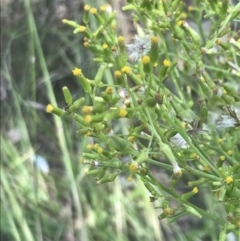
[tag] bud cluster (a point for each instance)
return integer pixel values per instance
(162, 122)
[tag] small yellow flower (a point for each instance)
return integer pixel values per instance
(104, 46)
(88, 119)
(109, 90)
(190, 8)
(194, 155)
(122, 113)
(202, 79)
(166, 63)
(180, 23)
(126, 70)
(222, 158)
(49, 108)
(218, 41)
(93, 10)
(133, 167)
(82, 28)
(131, 138)
(146, 59)
(103, 8)
(183, 124)
(229, 179)
(118, 74)
(87, 109)
(86, 44)
(100, 150)
(195, 190)
(154, 39)
(121, 40)
(183, 15)
(230, 152)
(168, 211)
(238, 40)
(86, 7)
(220, 141)
(77, 71)
(89, 146)
(206, 169)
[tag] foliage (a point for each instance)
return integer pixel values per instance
(149, 123)
(166, 87)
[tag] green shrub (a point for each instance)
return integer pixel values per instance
(168, 99)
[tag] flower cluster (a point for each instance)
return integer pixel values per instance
(144, 117)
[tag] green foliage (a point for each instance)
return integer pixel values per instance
(173, 78)
(141, 126)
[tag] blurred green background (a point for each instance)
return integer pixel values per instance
(45, 195)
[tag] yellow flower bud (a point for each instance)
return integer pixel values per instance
(77, 71)
(89, 146)
(86, 7)
(145, 59)
(88, 119)
(220, 141)
(131, 138)
(166, 63)
(109, 90)
(82, 28)
(222, 158)
(49, 108)
(133, 167)
(104, 46)
(87, 109)
(229, 179)
(93, 10)
(195, 190)
(122, 113)
(168, 211)
(118, 74)
(154, 40)
(100, 150)
(126, 70)
(121, 40)
(146, 64)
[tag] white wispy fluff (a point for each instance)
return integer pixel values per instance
(140, 47)
(125, 98)
(230, 118)
(226, 121)
(179, 141)
(110, 133)
(41, 163)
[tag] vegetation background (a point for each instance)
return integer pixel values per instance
(45, 194)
